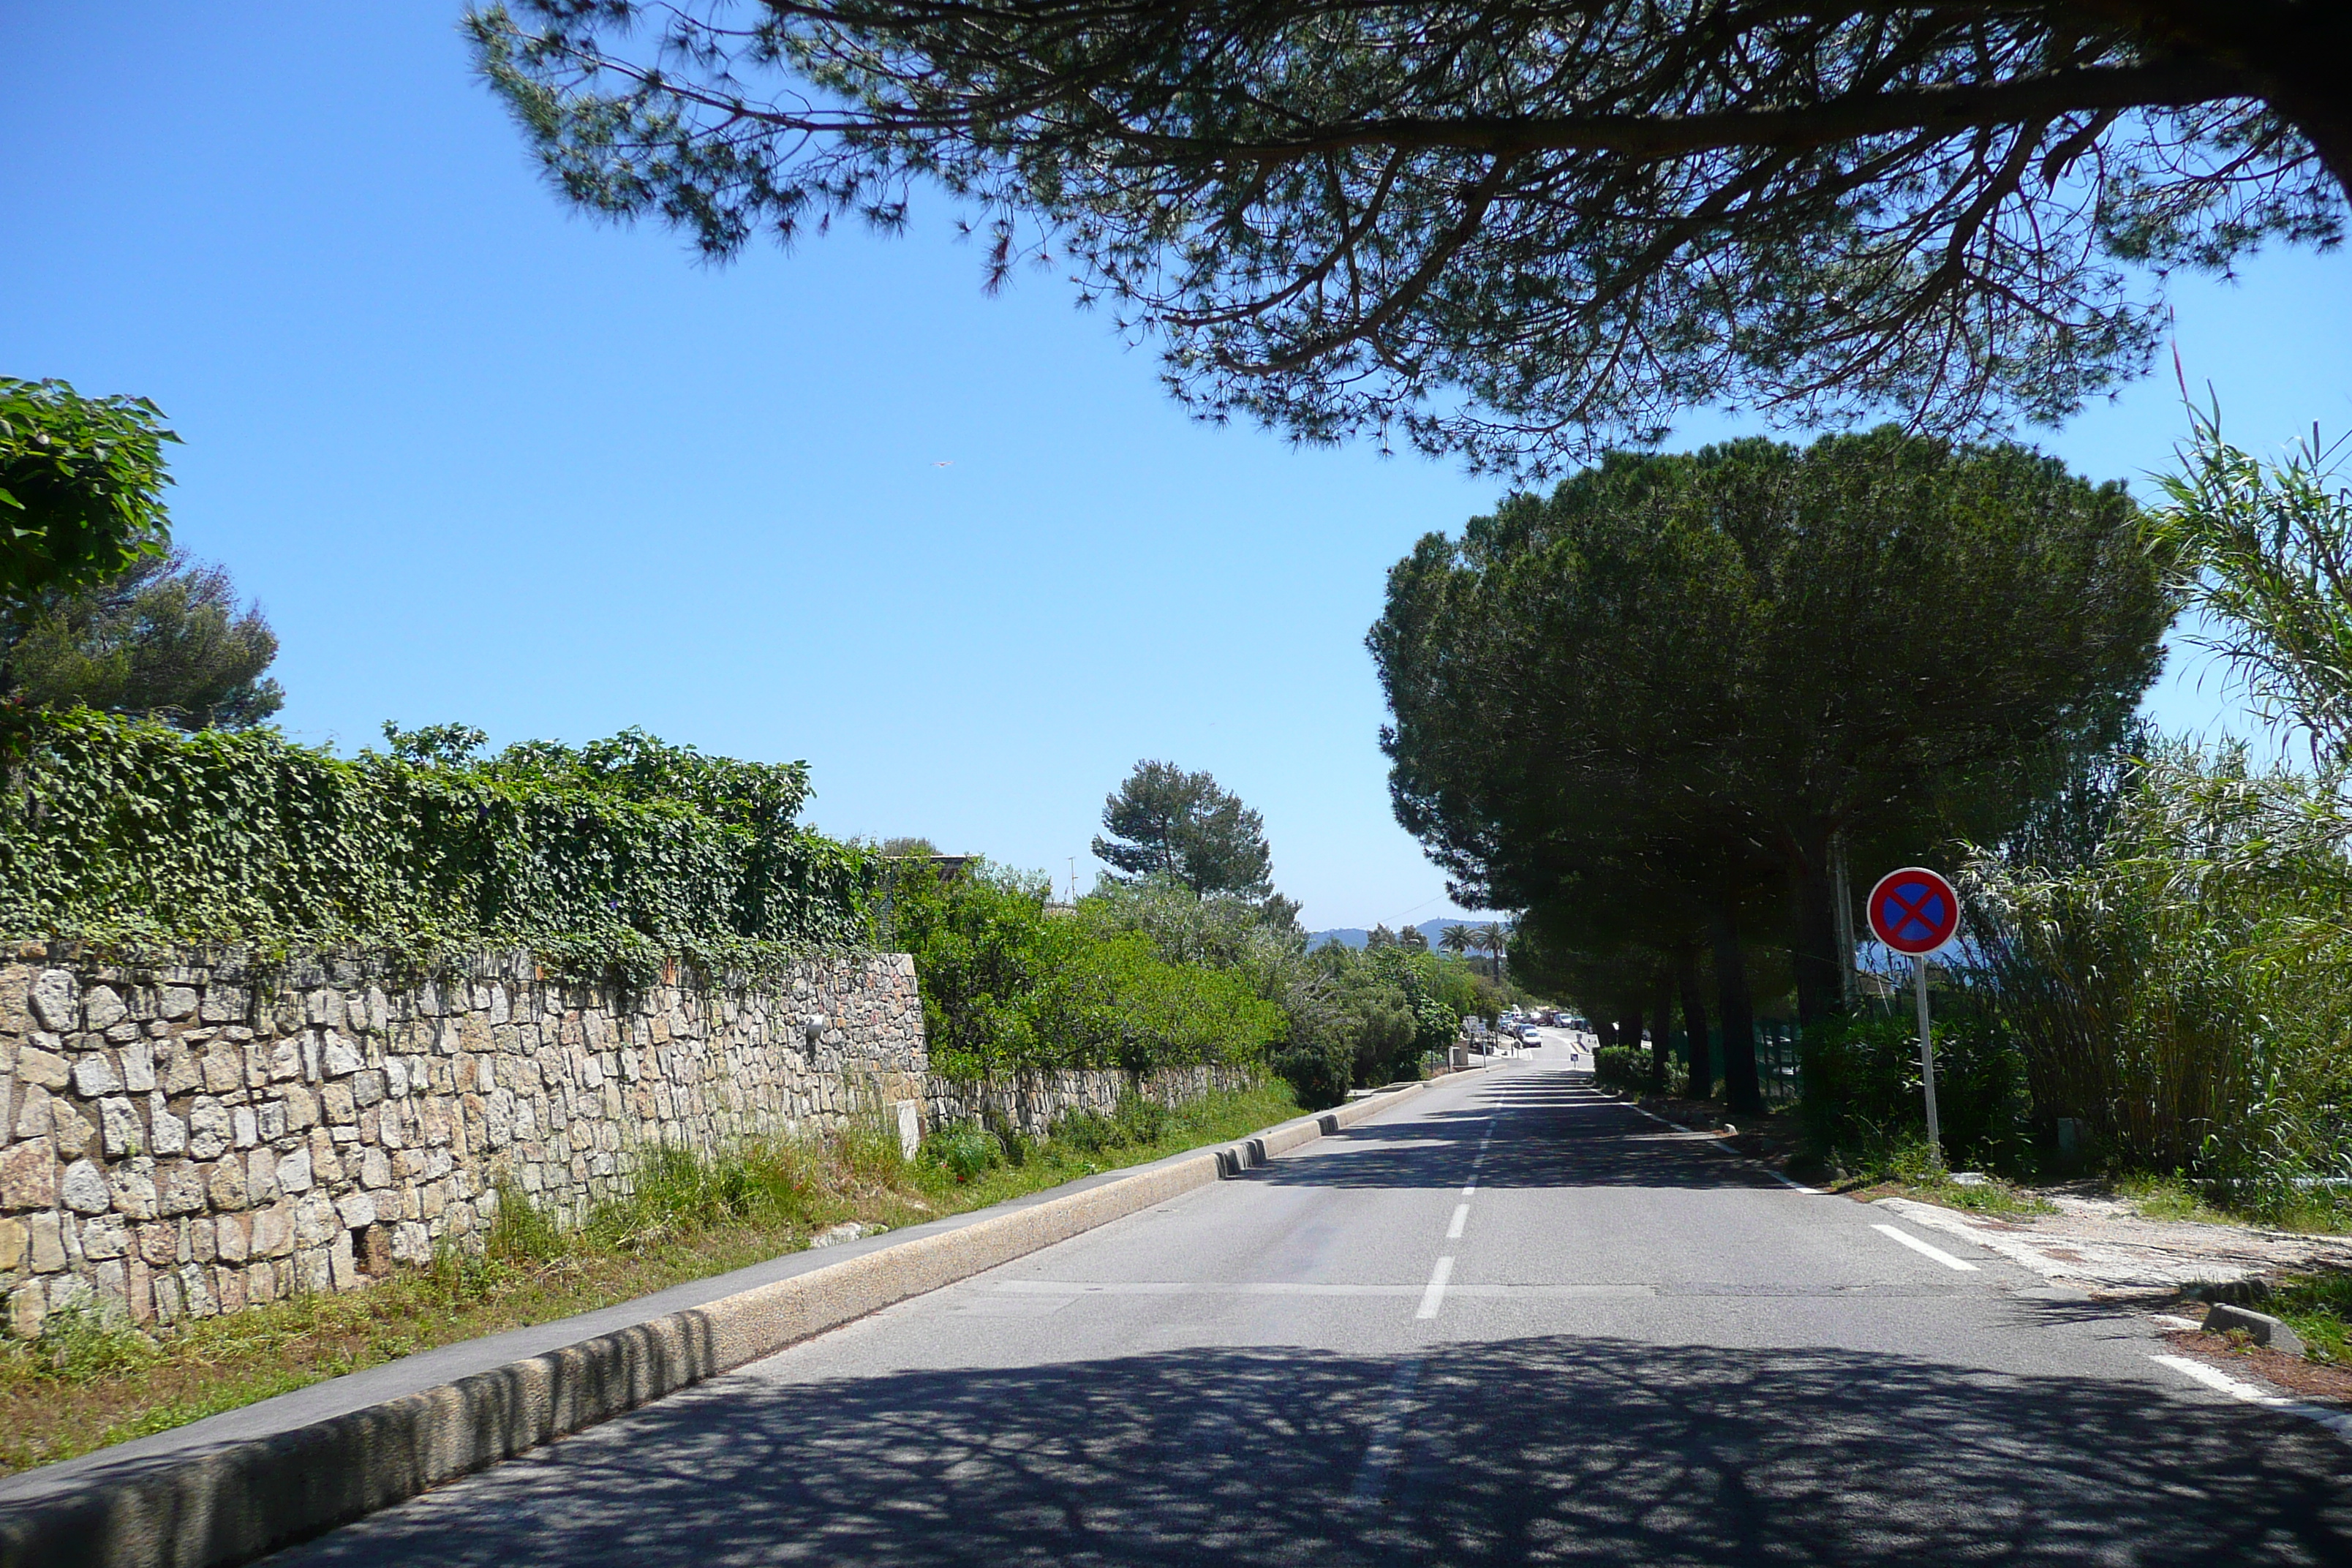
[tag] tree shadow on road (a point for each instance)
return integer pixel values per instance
(1552, 1132)
(1548, 1451)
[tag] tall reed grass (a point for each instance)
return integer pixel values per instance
(2179, 977)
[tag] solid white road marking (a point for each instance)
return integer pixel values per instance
(1388, 1431)
(2214, 1377)
(1921, 1248)
(1461, 1219)
(1432, 1297)
(1788, 1181)
(2336, 1421)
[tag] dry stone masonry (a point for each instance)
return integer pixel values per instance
(182, 1140)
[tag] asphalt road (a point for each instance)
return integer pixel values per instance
(1509, 1321)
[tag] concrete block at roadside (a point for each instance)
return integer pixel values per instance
(2260, 1327)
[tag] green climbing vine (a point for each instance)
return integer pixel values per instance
(609, 860)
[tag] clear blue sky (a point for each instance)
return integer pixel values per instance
(484, 460)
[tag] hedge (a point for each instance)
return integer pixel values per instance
(608, 859)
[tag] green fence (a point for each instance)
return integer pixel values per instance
(1779, 1065)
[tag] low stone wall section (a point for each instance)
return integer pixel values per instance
(1032, 1102)
(183, 1139)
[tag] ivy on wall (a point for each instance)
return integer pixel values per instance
(608, 859)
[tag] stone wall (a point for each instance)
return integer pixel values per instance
(1034, 1101)
(183, 1139)
(188, 1139)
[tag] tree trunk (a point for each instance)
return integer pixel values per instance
(1604, 1034)
(1702, 1066)
(1629, 1029)
(1662, 1026)
(1741, 1090)
(1815, 957)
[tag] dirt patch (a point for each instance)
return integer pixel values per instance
(2106, 1246)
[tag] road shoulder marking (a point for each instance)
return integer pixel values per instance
(1924, 1249)
(2337, 1421)
(1786, 1179)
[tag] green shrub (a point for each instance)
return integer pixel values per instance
(1865, 1104)
(1009, 986)
(1623, 1068)
(82, 1344)
(963, 1151)
(1133, 1121)
(1320, 1068)
(608, 859)
(2175, 971)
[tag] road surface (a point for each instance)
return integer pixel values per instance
(1509, 1321)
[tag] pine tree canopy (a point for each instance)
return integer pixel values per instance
(1184, 827)
(1518, 232)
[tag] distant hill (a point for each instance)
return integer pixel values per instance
(1354, 936)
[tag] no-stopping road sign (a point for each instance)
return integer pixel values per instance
(1915, 911)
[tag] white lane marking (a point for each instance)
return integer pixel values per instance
(1921, 1248)
(1388, 1434)
(2213, 1377)
(1461, 1219)
(1470, 1189)
(2336, 1421)
(1788, 1181)
(1435, 1296)
(2169, 1320)
(1068, 1291)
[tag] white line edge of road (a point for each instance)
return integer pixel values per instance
(1924, 1250)
(2337, 1421)
(1785, 1180)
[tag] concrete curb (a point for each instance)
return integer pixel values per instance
(233, 1501)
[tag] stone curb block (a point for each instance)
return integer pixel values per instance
(235, 1503)
(2260, 1327)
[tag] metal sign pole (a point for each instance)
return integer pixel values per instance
(1927, 1064)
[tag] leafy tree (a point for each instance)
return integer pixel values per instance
(1520, 230)
(164, 639)
(81, 487)
(1008, 986)
(1166, 822)
(1676, 678)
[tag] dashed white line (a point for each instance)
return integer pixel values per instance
(1387, 1445)
(1461, 1219)
(1921, 1248)
(1435, 1297)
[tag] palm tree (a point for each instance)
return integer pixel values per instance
(1454, 939)
(1488, 939)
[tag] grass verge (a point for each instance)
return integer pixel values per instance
(2318, 1308)
(86, 1385)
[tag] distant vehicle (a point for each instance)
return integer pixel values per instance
(1530, 1034)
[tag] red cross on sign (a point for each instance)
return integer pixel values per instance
(1915, 911)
